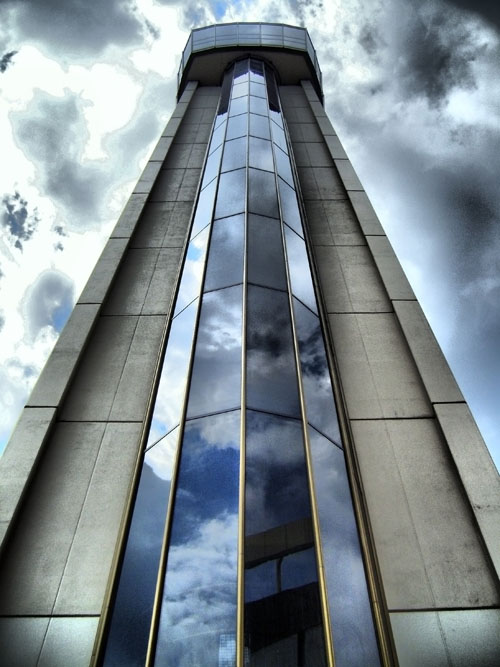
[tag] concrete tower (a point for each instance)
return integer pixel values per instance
(247, 447)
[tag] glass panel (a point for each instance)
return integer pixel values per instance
(249, 34)
(192, 272)
(273, 34)
(352, 623)
(235, 154)
(259, 126)
(272, 90)
(260, 154)
(320, 405)
(129, 628)
(294, 37)
(300, 272)
(262, 193)
(237, 126)
(271, 376)
(217, 137)
(279, 137)
(240, 105)
(225, 260)
(257, 89)
(266, 262)
(290, 207)
(212, 166)
(241, 71)
(204, 38)
(256, 71)
(258, 105)
(198, 614)
(226, 35)
(283, 166)
(224, 96)
(204, 208)
(231, 195)
(216, 379)
(282, 607)
(240, 89)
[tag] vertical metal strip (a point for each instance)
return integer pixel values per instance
(325, 613)
(240, 612)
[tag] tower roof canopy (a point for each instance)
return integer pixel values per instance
(289, 49)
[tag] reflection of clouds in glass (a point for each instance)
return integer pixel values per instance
(192, 271)
(276, 487)
(204, 208)
(216, 378)
(161, 457)
(316, 381)
(199, 602)
(225, 259)
(352, 622)
(300, 272)
(170, 396)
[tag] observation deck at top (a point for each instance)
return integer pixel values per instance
(210, 50)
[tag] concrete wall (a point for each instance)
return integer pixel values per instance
(67, 470)
(431, 490)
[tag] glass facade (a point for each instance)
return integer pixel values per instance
(243, 546)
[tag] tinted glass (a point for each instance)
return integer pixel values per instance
(231, 194)
(258, 105)
(352, 623)
(216, 378)
(225, 259)
(290, 207)
(237, 126)
(262, 197)
(271, 375)
(235, 154)
(239, 89)
(260, 154)
(266, 262)
(300, 272)
(217, 137)
(204, 208)
(316, 381)
(279, 137)
(256, 70)
(259, 126)
(241, 71)
(257, 89)
(199, 600)
(283, 166)
(192, 272)
(212, 166)
(129, 629)
(240, 105)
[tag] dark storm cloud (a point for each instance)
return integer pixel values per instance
(6, 60)
(75, 27)
(48, 302)
(16, 219)
(51, 133)
(369, 39)
(487, 9)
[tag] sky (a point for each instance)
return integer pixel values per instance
(411, 86)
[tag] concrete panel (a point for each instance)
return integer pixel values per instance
(21, 640)
(189, 185)
(36, 555)
(317, 107)
(350, 281)
(476, 470)
(335, 148)
(130, 215)
(100, 280)
(178, 156)
(348, 175)
(419, 639)
(456, 566)
(180, 109)
(150, 231)
(148, 177)
(54, 380)
(304, 132)
(178, 226)
(69, 641)
(193, 133)
(299, 115)
(366, 215)
(84, 581)
(161, 149)
(320, 183)
(393, 276)
(377, 371)
(162, 285)
(325, 126)
(132, 282)
(197, 157)
(93, 389)
(167, 185)
(20, 459)
(319, 155)
(136, 379)
(172, 127)
(434, 370)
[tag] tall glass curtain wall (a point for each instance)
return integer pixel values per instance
(230, 388)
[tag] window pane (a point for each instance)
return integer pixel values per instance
(283, 166)
(350, 612)
(320, 405)
(231, 195)
(256, 71)
(226, 35)
(217, 137)
(225, 260)
(271, 376)
(258, 105)
(216, 378)
(241, 71)
(192, 272)
(240, 105)
(249, 34)
(259, 126)
(262, 193)
(237, 126)
(260, 154)
(257, 89)
(240, 89)
(235, 154)
(204, 208)
(212, 166)
(127, 640)
(199, 600)
(266, 262)
(204, 38)
(290, 207)
(279, 137)
(300, 272)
